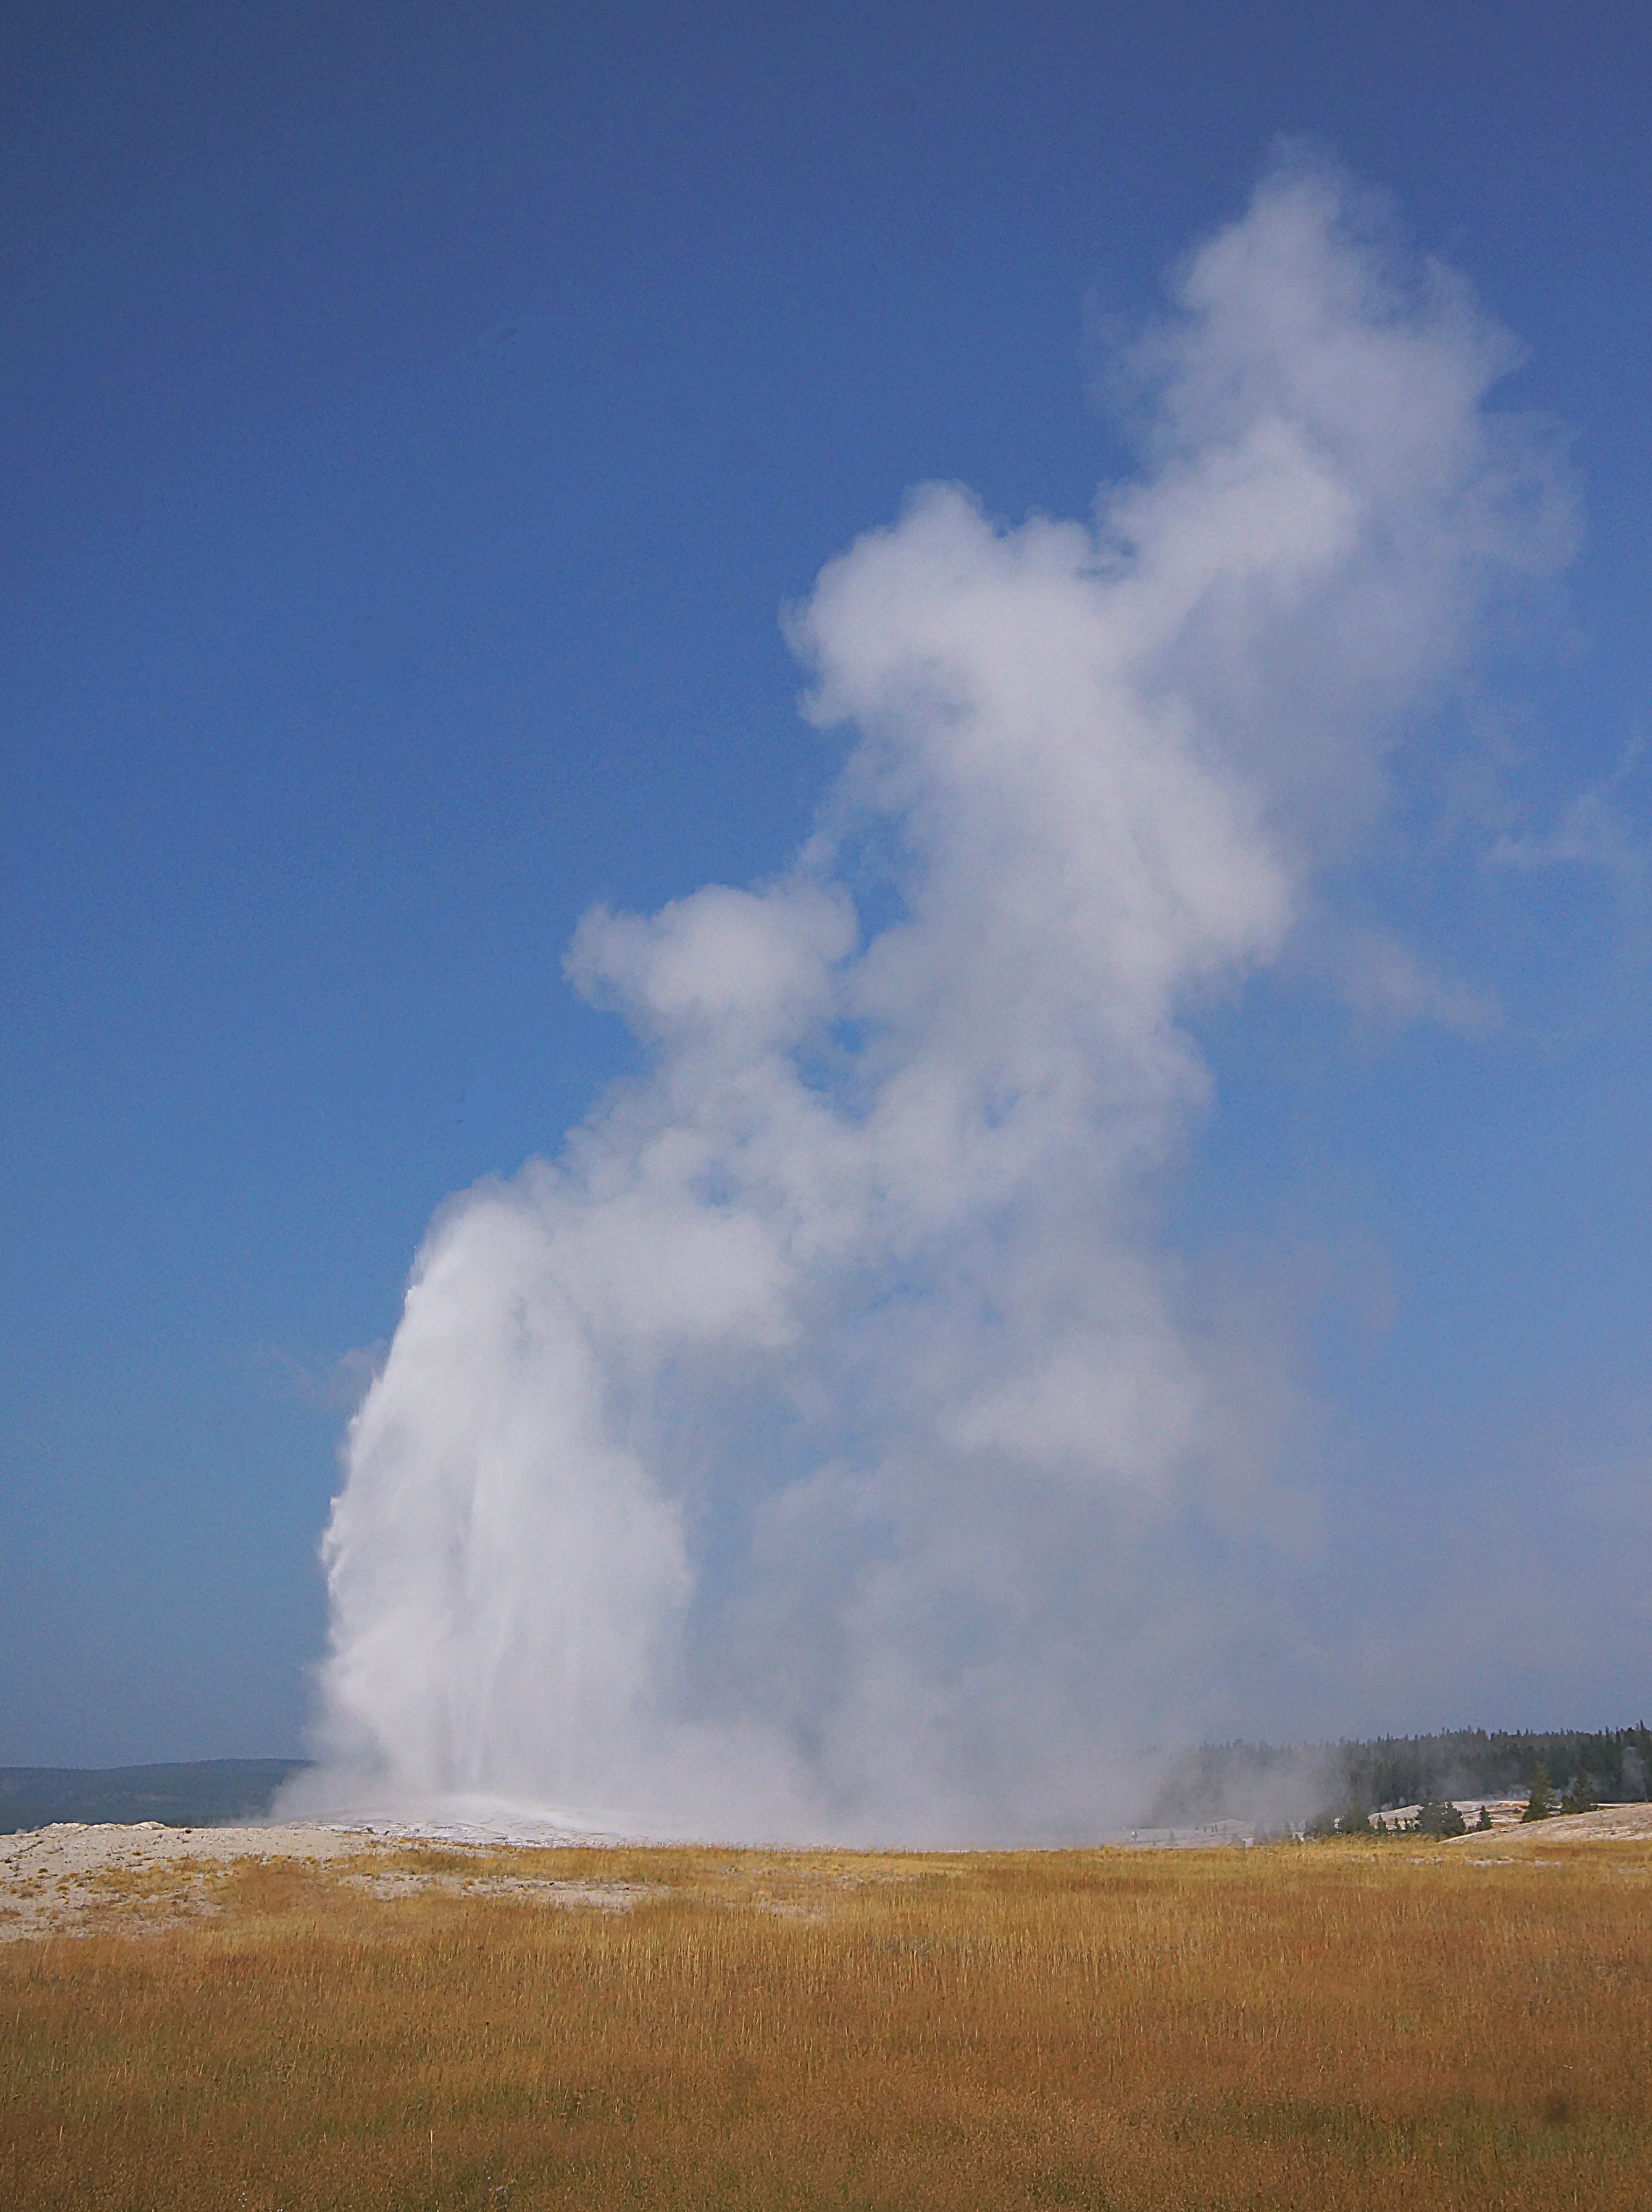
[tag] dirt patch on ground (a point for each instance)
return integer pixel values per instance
(73, 1878)
(404, 1881)
(76, 1876)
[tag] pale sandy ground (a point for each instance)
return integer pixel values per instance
(73, 1878)
(1612, 1824)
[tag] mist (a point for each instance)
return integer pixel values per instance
(827, 1442)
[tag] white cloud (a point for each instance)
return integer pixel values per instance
(1594, 830)
(817, 1445)
(1389, 985)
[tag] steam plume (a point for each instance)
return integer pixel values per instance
(816, 1446)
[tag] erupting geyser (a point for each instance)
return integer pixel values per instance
(816, 1445)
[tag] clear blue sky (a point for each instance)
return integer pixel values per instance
(415, 422)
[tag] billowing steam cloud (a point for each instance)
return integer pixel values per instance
(816, 1446)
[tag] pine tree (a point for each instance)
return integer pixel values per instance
(1438, 1816)
(1580, 1797)
(1484, 1823)
(1541, 1805)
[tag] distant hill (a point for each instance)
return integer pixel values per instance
(199, 1793)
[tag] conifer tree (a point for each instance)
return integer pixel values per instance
(1541, 1805)
(1438, 1816)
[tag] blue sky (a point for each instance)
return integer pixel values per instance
(415, 427)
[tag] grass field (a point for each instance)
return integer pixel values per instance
(1328, 2025)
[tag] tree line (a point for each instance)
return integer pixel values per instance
(1294, 1783)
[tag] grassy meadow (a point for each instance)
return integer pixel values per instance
(1324, 2025)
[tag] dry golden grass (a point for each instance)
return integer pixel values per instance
(1337, 2025)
